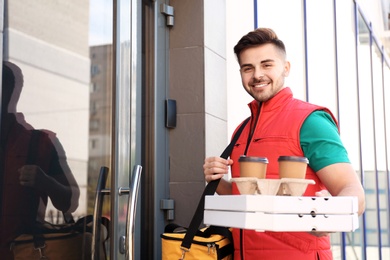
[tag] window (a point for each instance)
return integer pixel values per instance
(94, 70)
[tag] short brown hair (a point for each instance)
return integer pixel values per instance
(258, 37)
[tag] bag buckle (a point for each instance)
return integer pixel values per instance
(183, 252)
(40, 249)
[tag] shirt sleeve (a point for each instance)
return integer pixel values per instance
(320, 141)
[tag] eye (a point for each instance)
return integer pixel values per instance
(247, 69)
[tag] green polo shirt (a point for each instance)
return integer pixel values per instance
(320, 141)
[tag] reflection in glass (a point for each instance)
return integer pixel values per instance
(33, 169)
(64, 51)
(99, 120)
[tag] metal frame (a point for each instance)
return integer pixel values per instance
(126, 114)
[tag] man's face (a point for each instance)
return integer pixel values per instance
(263, 69)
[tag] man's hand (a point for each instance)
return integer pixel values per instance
(215, 168)
(32, 176)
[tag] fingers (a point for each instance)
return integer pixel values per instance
(28, 174)
(320, 234)
(215, 167)
(213, 177)
(26, 179)
(322, 193)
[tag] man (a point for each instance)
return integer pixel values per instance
(33, 168)
(281, 125)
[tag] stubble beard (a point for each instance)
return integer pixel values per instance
(265, 94)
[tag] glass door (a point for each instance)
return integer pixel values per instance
(70, 111)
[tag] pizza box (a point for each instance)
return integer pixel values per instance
(282, 204)
(282, 213)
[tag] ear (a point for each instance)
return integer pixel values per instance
(286, 69)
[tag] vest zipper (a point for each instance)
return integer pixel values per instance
(246, 150)
(252, 130)
(242, 244)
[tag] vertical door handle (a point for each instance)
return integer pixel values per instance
(131, 211)
(97, 213)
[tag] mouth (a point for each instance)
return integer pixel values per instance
(260, 84)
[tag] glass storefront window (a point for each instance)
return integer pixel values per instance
(59, 57)
(321, 54)
(367, 133)
(380, 149)
(385, 177)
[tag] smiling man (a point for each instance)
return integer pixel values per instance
(282, 125)
(263, 69)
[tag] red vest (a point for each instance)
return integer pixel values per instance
(19, 205)
(276, 132)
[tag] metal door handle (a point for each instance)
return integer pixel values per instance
(97, 213)
(131, 207)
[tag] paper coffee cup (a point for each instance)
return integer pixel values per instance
(292, 166)
(253, 166)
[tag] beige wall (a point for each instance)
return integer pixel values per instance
(198, 84)
(67, 28)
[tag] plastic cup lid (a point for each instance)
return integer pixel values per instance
(244, 158)
(293, 159)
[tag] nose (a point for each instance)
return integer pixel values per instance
(258, 73)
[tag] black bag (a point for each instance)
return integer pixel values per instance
(59, 241)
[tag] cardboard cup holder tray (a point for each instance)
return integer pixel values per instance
(282, 213)
(284, 186)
